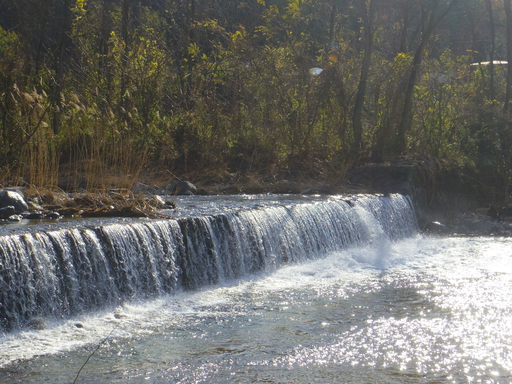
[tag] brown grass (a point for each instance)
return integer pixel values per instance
(121, 203)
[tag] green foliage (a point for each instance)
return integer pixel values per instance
(182, 87)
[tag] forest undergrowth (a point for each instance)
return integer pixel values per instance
(253, 96)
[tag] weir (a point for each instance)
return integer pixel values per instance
(64, 272)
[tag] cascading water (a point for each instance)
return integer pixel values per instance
(64, 272)
(246, 289)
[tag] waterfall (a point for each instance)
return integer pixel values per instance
(64, 272)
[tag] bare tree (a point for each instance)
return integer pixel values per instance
(368, 33)
(508, 18)
(64, 17)
(492, 50)
(435, 13)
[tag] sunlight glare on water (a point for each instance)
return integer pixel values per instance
(421, 310)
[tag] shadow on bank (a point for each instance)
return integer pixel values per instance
(446, 200)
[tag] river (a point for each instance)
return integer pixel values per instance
(390, 306)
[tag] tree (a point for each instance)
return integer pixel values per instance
(492, 49)
(508, 20)
(64, 20)
(435, 11)
(368, 36)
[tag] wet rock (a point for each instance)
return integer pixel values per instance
(52, 216)
(182, 188)
(169, 204)
(170, 187)
(37, 324)
(69, 212)
(79, 325)
(34, 205)
(185, 188)
(309, 191)
(436, 227)
(34, 216)
(202, 192)
(478, 224)
(158, 202)
(15, 218)
(120, 314)
(111, 211)
(285, 187)
(7, 212)
(143, 188)
(14, 199)
(324, 189)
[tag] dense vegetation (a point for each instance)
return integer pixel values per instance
(96, 93)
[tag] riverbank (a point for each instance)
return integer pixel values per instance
(444, 204)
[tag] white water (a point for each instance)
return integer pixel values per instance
(426, 310)
(63, 272)
(384, 310)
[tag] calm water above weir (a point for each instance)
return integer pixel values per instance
(387, 306)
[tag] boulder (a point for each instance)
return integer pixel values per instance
(14, 199)
(37, 324)
(143, 188)
(170, 187)
(52, 216)
(202, 192)
(325, 189)
(34, 205)
(15, 218)
(7, 212)
(436, 227)
(157, 202)
(182, 188)
(309, 191)
(34, 215)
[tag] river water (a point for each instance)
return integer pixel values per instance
(413, 309)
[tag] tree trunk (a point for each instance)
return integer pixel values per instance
(492, 92)
(357, 118)
(332, 22)
(125, 29)
(508, 16)
(406, 116)
(61, 57)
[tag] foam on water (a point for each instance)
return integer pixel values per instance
(61, 273)
(422, 309)
(283, 291)
(144, 318)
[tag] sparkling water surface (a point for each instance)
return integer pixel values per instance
(419, 310)
(186, 206)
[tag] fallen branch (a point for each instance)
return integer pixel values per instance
(96, 350)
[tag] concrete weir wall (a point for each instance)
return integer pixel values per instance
(385, 178)
(391, 178)
(446, 200)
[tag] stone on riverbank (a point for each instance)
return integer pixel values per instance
(182, 188)
(143, 188)
(7, 212)
(14, 199)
